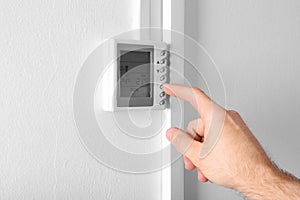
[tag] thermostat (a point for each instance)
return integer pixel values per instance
(136, 75)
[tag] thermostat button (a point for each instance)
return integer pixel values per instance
(162, 78)
(162, 102)
(163, 53)
(162, 94)
(162, 70)
(163, 61)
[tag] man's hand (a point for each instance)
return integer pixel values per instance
(225, 152)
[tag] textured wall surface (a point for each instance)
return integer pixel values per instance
(42, 47)
(256, 45)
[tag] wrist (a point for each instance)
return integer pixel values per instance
(272, 184)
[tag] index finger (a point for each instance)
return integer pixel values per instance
(196, 97)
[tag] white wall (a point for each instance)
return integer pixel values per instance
(42, 46)
(256, 45)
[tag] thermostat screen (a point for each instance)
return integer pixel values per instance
(135, 74)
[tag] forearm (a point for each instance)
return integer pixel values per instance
(272, 186)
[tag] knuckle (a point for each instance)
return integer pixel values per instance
(190, 125)
(233, 112)
(198, 94)
(232, 115)
(198, 91)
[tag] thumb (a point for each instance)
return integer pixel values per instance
(184, 143)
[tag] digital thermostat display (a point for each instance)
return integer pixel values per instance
(135, 73)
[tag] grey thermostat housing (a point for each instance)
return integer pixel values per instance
(136, 75)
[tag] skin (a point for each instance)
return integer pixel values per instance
(230, 155)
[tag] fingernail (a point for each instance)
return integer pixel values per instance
(167, 89)
(170, 132)
(165, 86)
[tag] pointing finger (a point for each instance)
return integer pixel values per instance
(196, 97)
